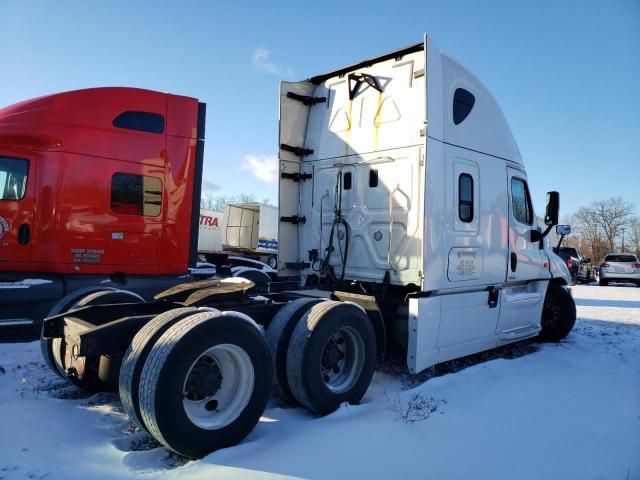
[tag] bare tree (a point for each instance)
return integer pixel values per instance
(214, 202)
(634, 236)
(244, 198)
(612, 215)
(587, 226)
(219, 202)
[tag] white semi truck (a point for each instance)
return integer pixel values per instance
(404, 207)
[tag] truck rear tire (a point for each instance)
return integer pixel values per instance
(205, 383)
(89, 380)
(558, 314)
(278, 336)
(65, 303)
(338, 337)
(134, 358)
(272, 261)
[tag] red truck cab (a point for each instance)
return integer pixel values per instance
(97, 185)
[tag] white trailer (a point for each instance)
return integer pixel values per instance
(210, 231)
(251, 228)
(404, 207)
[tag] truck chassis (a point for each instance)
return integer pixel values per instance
(110, 339)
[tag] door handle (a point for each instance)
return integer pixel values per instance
(514, 261)
(494, 295)
(24, 234)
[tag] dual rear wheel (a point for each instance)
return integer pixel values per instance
(324, 353)
(197, 379)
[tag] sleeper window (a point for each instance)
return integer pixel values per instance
(346, 181)
(13, 178)
(136, 194)
(140, 121)
(373, 178)
(463, 101)
(520, 201)
(465, 197)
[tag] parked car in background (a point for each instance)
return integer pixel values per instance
(580, 267)
(620, 267)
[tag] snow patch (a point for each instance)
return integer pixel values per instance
(26, 283)
(526, 410)
(235, 280)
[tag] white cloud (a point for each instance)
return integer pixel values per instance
(263, 167)
(209, 186)
(262, 62)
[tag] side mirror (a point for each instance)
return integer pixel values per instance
(587, 260)
(563, 229)
(553, 208)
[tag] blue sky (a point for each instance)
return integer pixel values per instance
(567, 74)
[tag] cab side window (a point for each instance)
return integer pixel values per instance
(13, 178)
(521, 202)
(136, 194)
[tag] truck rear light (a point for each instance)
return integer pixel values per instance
(604, 265)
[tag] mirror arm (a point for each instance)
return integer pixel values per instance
(546, 232)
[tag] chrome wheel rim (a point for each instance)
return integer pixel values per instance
(218, 386)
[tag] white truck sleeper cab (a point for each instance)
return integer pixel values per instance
(403, 203)
(403, 171)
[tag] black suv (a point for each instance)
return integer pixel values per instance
(579, 266)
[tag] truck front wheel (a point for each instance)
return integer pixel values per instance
(331, 356)
(205, 383)
(558, 314)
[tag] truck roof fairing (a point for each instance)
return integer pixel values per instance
(62, 121)
(486, 130)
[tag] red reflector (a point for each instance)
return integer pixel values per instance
(604, 265)
(569, 263)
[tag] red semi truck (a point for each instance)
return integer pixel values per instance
(98, 187)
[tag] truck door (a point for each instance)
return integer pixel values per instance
(527, 266)
(17, 190)
(526, 259)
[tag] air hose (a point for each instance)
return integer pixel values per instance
(338, 219)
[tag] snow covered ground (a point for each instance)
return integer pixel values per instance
(567, 411)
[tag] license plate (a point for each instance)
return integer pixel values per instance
(622, 270)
